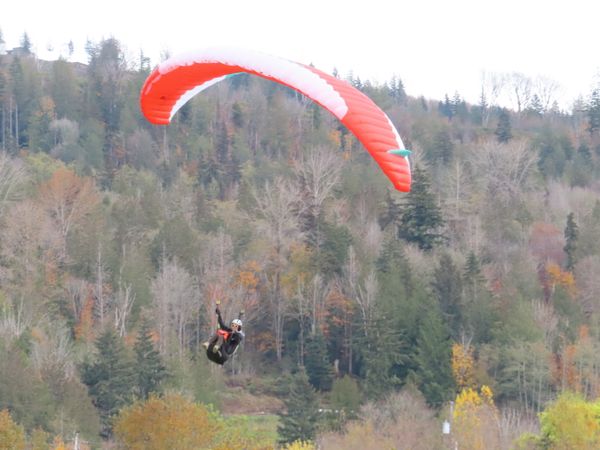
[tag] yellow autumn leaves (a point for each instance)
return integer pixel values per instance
(475, 415)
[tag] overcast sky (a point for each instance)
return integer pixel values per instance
(436, 47)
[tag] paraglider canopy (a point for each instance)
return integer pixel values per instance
(178, 79)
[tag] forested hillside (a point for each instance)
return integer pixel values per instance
(367, 311)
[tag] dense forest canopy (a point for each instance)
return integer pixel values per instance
(118, 238)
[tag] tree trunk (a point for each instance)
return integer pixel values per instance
(99, 284)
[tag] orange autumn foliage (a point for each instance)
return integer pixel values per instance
(168, 422)
(58, 444)
(340, 310)
(67, 197)
(559, 277)
(248, 276)
(264, 341)
(564, 369)
(336, 138)
(84, 329)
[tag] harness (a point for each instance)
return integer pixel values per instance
(223, 333)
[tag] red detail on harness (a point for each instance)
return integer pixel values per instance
(223, 333)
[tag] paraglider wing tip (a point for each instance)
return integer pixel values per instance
(400, 152)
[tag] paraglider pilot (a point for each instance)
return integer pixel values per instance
(225, 341)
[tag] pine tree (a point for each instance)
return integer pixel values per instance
(483, 107)
(433, 359)
(109, 379)
(472, 278)
(302, 416)
(383, 351)
(397, 90)
(26, 43)
(447, 288)
(150, 370)
(571, 236)
(535, 108)
(478, 313)
(316, 361)
(443, 147)
(503, 130)
(593, 112)
(446, 108)
(421, 219)
(391, 211)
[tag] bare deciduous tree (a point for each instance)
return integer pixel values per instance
(29, 241)
(12, 177)
(66, 135)
(176, 305)
(123, 303)
(318, 171)
(215, 274)
(52, 354)
(366, 228)
(99, 291)
(276, 208)
(179, 199)
(546, 319)
(546, 89)
(507, 167)
(492, 85)
(588, 284)
(13, 322)
(361, 289)
(402, 420)
(520, 90)
(67, 198)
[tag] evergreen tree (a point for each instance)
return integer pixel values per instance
(64, 90)
(335, 240)
(302, 415)
(483, 108)
(478, 314)
(24, 81)
(109, 379)
(106, 70)
(447, 288)
(26, 43)
(585, 153)
(3, 112)
(421, 219)
(392, 262)
(570, 248)
(535, 108)
(39, 127)
(459, 106)
(434, 373)
(391, 211)
(593, 112)
(382, 352)
(472, 279)
(345, 395)
(397, 90)
(503, 130)
(443, 147)
(316, 361)
(446, 108)
(150, 370)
